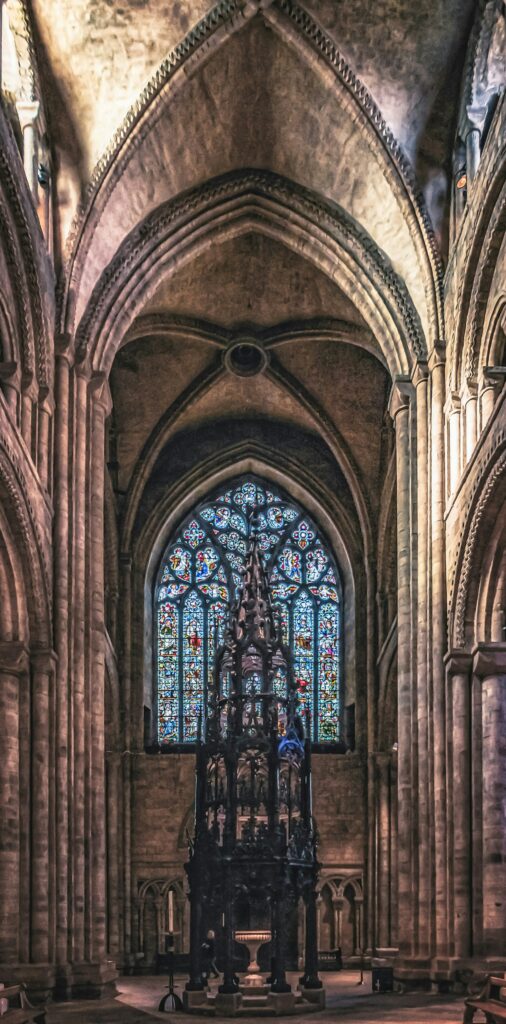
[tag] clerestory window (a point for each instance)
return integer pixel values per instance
(197, 587)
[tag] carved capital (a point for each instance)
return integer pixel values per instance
(452, 404)
(8, 370)
(28, 112)
(458, 663)
(436, 356)
(43, 661)
(469, 392)
(63, 347)
(489, 660)
(14, 657)
(420, 373)
(493, 376)
(101, 392)
(400, 395)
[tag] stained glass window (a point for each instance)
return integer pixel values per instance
(197, 587)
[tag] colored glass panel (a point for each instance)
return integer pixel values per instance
(206, 562)
(282, 619)
(216, 624)
(193, 665)
(304, 535)
(316, 562)
(290, 563)
(328, 673)
(219, 517)
(180, 561)
(168, 690)
(214, 590)
(303, 650)
(298, 566)
(194, 534)
(172, 590)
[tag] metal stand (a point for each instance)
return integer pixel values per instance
(170, 1003)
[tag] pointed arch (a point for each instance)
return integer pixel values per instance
(233, 204)
(294, 25)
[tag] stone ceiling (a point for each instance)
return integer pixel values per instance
(98, 54)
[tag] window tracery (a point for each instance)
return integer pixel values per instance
(198, 585)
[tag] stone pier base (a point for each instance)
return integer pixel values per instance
(63, 981)
(227, 1004)
(444, 974)
(313, 995)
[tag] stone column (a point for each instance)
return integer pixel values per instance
(79, 708)
(42, 668)
(490, 667)
(470, 400)
(319, 906)
(9, 379)
(400, 411)
(338, 904)
(475, 117)
(473, 152)
(359, 910)
(125, 669)
(394, 892)
(28, 112)
(488, 394)
(437, 613)
(100, 407)
(61, 634)
(113, 852)
(43, 437)
(27, 411)
(453, 460)
(423, 854)
(383, 858)
(13, 664)
(458, 669)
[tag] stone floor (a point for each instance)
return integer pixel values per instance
(138, 998)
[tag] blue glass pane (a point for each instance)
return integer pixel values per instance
(168, 683)
(328, 673)
(303, 651)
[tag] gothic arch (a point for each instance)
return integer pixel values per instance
(30, 547)
(158, 528)
(476, 316)
(484, 231)
(478, 553)
(202, 384)
(250, 200)
(484, 73)
(295, 27)
(30, 276)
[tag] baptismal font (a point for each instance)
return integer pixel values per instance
(254, 842)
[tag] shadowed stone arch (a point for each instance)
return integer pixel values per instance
(475, 323)
(31, 277)
(294, 25)
(233, 204)
(22, 520)
(487, 500)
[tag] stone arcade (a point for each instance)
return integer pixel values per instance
(252, 253)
